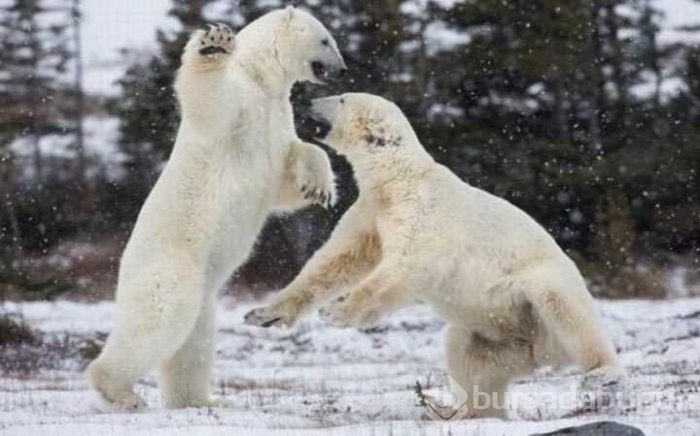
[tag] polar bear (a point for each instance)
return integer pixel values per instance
(512, 299)
(236, 159)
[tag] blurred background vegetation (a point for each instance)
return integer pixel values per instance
(573, 110)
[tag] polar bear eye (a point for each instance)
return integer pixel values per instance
(342, 101)
(325, 41)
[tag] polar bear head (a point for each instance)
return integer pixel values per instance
(295, 43)
(364, 124)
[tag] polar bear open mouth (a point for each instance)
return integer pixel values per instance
(320, 124)
(321, 128)
(320, 70)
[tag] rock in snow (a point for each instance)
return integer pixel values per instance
(603, 428)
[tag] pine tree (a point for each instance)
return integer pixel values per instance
(34, 94)
(34, 56)
(79, 97)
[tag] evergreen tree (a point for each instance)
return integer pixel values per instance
(34, 56)
(36, 96)
(536, 101)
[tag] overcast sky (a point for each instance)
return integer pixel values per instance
(114, 24)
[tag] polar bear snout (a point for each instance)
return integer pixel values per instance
(326, 71)
(328, 64)
(323, 111)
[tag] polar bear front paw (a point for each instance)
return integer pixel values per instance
(334, 317)
(315, 179)
(269, 316)
(218, 39)
(342, 314)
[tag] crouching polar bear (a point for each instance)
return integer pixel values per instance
(236, 159)
(513, 300)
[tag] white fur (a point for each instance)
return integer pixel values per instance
(236, 159)
(512, 298)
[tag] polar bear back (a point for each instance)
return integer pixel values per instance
(458, 216)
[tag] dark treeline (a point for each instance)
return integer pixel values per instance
(572, 110)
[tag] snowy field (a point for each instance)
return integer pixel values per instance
(325, 380)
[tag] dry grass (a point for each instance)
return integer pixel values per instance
(15, 331)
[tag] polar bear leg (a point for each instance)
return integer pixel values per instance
(114, 373)
(201, 83)
(209, 49)
(308, 178)
(483, 369)
(347, 257)
(154, 321)
(567, 311)
(184, 378)
(388, 287)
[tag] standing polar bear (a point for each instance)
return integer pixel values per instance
(513, 300)
(236, 159)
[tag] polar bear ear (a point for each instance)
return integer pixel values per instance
(289, 13)
(370, 130)
(376, 130)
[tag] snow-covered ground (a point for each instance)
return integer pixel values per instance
(318, 379)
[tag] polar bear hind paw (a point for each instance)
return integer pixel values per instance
(127, 402)
(605, 389)
(604, 378)
(217, 39)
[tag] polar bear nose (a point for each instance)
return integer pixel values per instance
(339, 70)
(343, 67)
